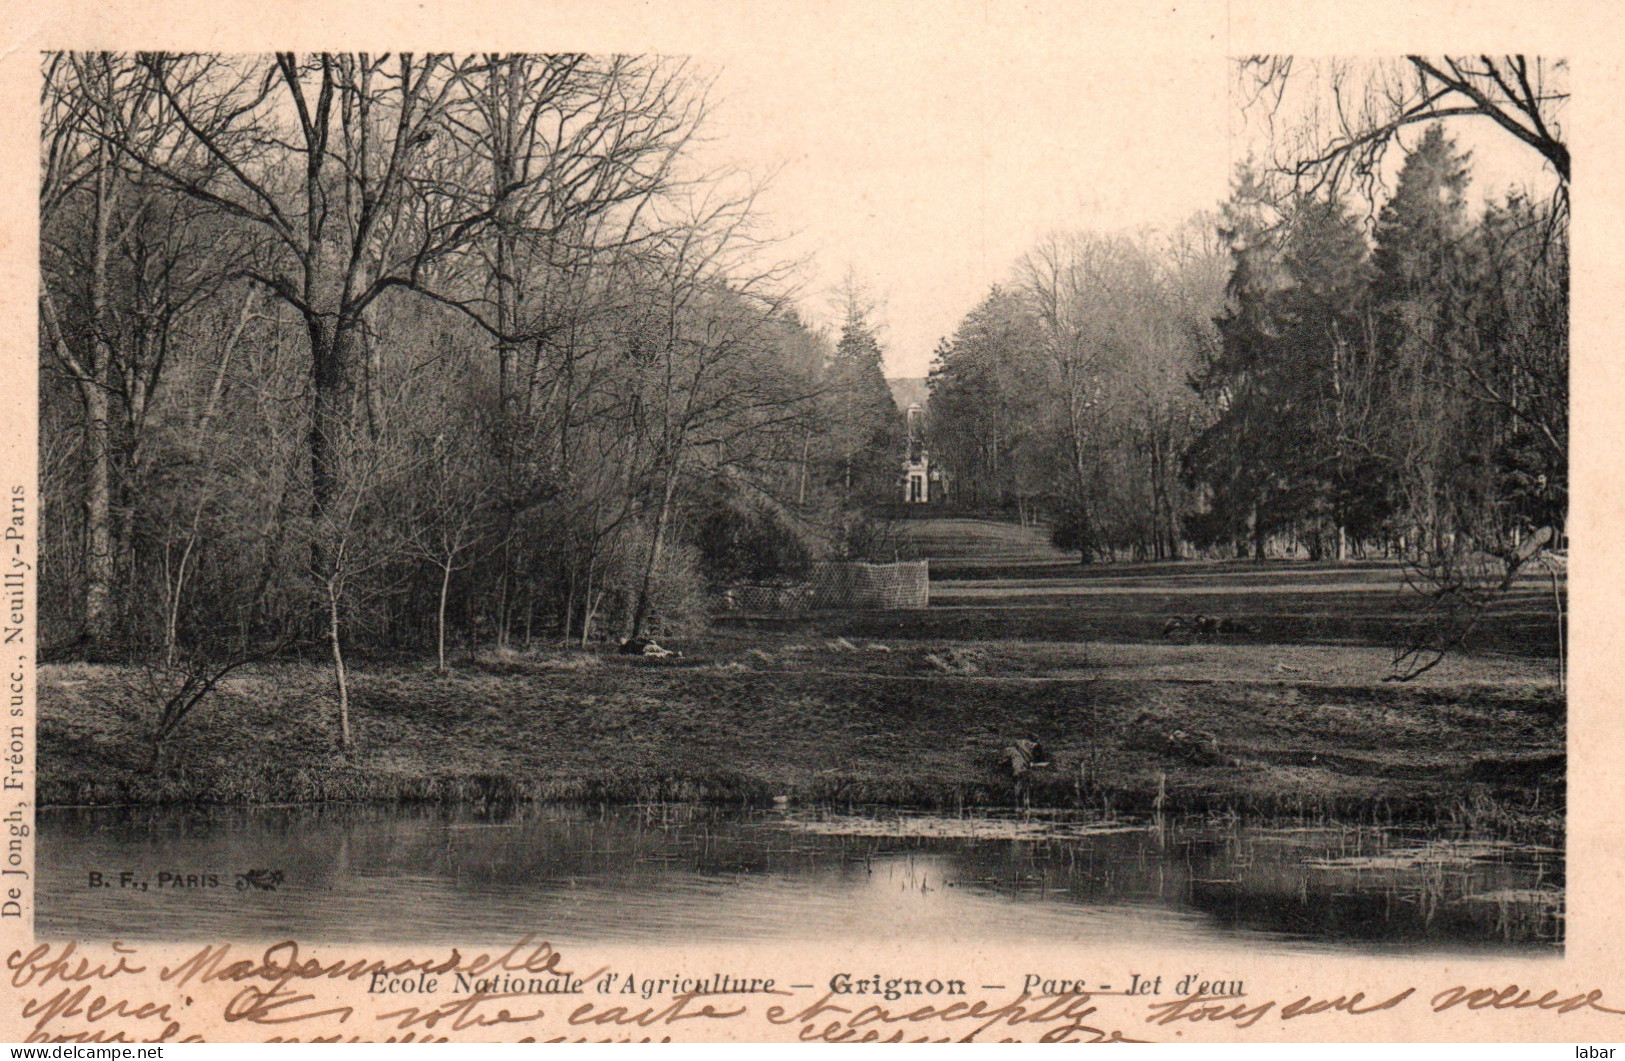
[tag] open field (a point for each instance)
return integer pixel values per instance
(1005, 581)
(912, 708)
(950, 540)
(1364, 604)
(621, 729)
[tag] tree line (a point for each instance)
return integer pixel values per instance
(386, 352)
(1309, 381)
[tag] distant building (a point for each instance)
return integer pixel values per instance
(917, 464)
(922, 484)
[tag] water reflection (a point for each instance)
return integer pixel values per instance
(683, 873)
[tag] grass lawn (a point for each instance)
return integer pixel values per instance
(915, 708)
(821, 723)
(980, 541)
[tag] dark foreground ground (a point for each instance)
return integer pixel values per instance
(1290, 719)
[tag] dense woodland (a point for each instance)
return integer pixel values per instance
(350, 352)
(401, 352)
(1310, 373)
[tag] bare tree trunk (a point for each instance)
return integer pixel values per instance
(591, 606)
(98, 519)
(175, 589)
(567, 624)
(372, 378)
(330, 349)
(505, 88)
(1562, 659)
(92, 380)
(440, 617)
(640, 614)
(334, 629)
(1154, 455)
(503, 581)
(801, 489)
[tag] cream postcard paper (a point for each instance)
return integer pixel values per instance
(809, 522)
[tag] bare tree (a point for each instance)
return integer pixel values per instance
(363, 222)
(1070, 281)
(1333, 120)
(321, 155)
(179, 551)
(567, 157)
(566, 154)
(174, 690)
(362, 534)
(709, 322)
(1456, 588)
(89, 102)
(452, 507)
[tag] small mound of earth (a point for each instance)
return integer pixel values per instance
(958, 661)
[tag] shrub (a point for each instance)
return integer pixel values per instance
(739, 545)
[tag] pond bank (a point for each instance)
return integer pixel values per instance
(676, 874)
(603, 729)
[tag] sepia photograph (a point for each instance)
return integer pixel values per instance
(840, 497)
(466, 507)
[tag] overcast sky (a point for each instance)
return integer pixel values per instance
(929, 174)
(928, 158)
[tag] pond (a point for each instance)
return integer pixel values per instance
(683, 874)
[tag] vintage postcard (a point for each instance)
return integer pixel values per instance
(834, 521)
